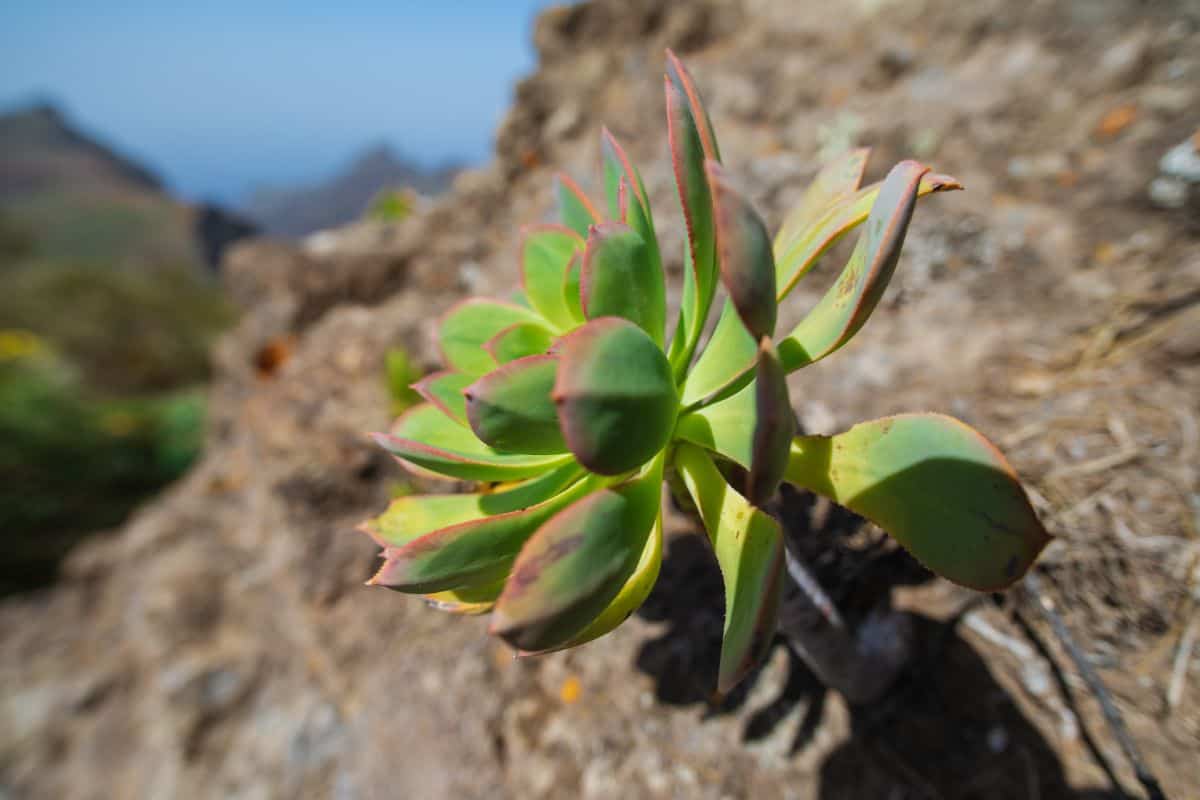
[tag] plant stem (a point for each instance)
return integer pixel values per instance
(862, 664)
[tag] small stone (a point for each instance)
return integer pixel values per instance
(1183, 161)
(1168, 193)
(1125, 62)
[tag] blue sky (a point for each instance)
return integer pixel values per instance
(220, 96)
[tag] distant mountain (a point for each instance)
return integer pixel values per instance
(303, 210)
(40, 151)
(80, 201)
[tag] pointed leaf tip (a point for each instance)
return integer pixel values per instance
(743, 246)
(444, 391)
(511, 410)
(847, 305)
(428, 440)
(575, 210)
(691, 141)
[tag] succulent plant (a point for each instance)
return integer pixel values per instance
(570, 407)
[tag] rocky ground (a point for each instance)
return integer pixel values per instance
(222, 644)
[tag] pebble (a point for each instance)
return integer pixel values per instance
(1182, 161)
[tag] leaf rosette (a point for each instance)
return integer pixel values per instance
(569, 405)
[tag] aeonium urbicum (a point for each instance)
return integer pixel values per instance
(573, 405)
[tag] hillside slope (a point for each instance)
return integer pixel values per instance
(80, 200)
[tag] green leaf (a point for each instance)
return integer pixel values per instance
(936, 485)
(633, 592)
(774, 427)
(518, 341)
(835, 182)
(744, 256)
(473, 553)
(726, 427)
(796, 252)
(445, 391)
(615, 394)
(467, 325)
(572, 296)
(749, 548)
(637, 215)
(577, 564)
(846, 306)
(618, 281)
(511, 410)
(410, 517)
(427, 439)
(575, 210)
(546, 251)
(692, 142)
(727, 362)
(725, 365)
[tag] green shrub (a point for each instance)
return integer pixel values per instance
(73, 462)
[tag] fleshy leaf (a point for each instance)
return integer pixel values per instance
(410, 517)
(546, 251)
(617, 280)
(632, 594)
(691, 141)
(518, 341)
(937, 486)
(426, 438)
(846, 306)
(473, 553)
(796, 254)
(834, 182)
(577, 563)
(744, 256)
(774, 427)
(572, 296)
(637, 215)
(725, 427)
(445, 391)
(615, 394)
(511, 409)
(413, 516)
(467, 325)
(575, 210)
(749, 548)
(727, 362)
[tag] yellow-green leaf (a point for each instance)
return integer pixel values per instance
(936, 485)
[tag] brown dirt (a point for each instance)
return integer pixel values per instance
(222, 644)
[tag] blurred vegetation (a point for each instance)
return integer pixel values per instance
(130, 329)
(401, 374)
(391, 205)
(104, 348)
(71, 460)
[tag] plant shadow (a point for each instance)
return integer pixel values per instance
(947, 729)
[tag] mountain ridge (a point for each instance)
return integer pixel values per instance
(292, 212)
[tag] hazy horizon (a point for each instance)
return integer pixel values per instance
(225, 99)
